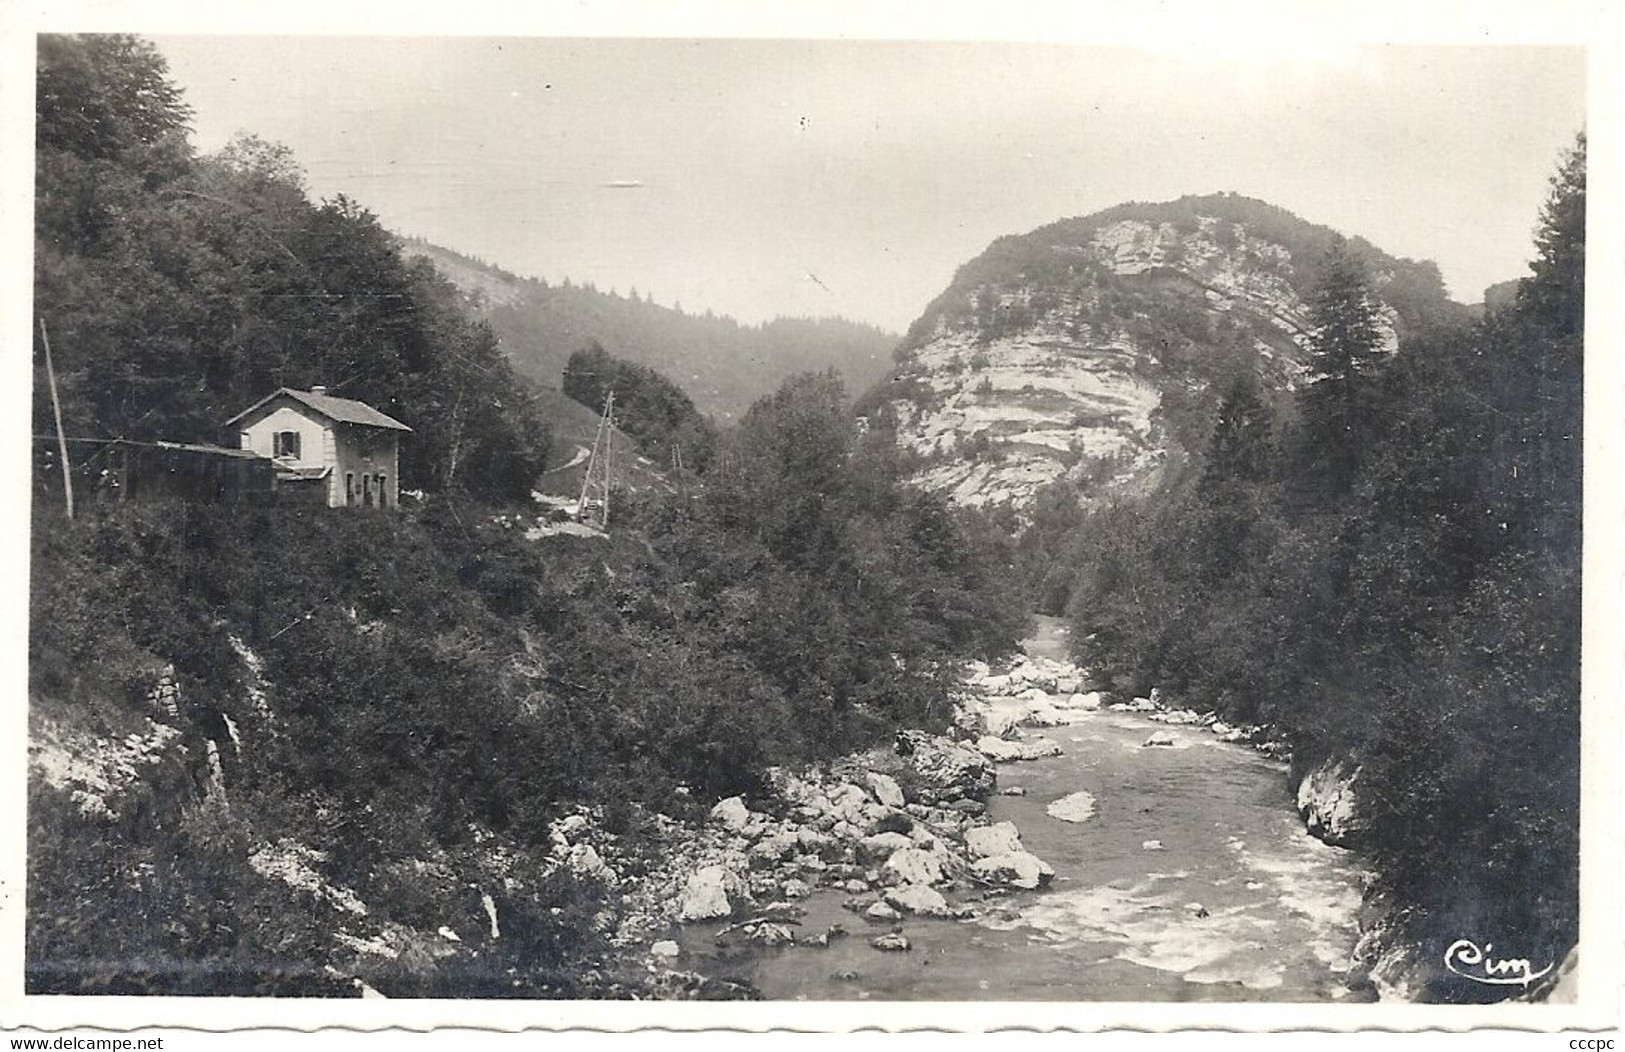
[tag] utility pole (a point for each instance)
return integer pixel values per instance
(600, 473)
(56, 411)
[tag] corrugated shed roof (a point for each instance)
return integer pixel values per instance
(342, 410)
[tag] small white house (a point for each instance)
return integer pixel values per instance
(338, 451)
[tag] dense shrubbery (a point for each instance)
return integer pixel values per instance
(1394, 575)
(433, 674)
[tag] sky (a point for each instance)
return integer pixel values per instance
(775, 177)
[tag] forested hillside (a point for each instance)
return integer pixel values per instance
(723, 365)
(283, 750)
(1389, 573)
(178, 289)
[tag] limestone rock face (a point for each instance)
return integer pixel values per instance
(1087, 350)
(1328, 802)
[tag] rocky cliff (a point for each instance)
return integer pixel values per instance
(1090, 350)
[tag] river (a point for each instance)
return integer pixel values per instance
(1193, 880)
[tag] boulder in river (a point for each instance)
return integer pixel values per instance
(1074, 807)
(1196, 909)
(1002, 751)
(705, 896)
(1151, 845)
(873, 850)
(1018, 869)
(891, 942)
(1159, 738)
(882, 911)
(665, 948)
(1001, 838)
(918, 898)
(912, 865)
(1013, 790)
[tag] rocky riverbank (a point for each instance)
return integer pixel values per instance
(900, 834)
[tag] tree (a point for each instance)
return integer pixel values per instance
(1345, 348)
(1240, 446)
(1555, 290)
(98, 95)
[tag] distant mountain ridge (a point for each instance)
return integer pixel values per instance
(1090, 350)
(723, 365)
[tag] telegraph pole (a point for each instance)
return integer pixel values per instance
(600, 473)
(56, 411)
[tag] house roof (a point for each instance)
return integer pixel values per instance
(341, 410)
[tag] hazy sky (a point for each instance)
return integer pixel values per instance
(723, 173)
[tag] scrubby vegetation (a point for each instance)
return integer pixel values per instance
(1389, 571)
(265, 736)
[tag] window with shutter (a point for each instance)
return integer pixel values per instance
(285, 444)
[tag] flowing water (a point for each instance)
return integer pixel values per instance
(1235, 901)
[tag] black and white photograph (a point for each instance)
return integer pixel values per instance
(651, 517)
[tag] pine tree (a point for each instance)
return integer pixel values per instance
(1555, 290)
(1345, 349)
(1240, 447)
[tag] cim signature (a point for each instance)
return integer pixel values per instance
(1510, 971)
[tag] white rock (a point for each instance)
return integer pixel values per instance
(886, 789)
(705, 895)
(1159, 738)
(665, 948)
(796, 889)
(918, 898)
(1043, 716)
(1007, 751)
(731, 813)
(911, 865)
(1328, 802)
(988, 841)
(881, 846)
(584, 860)
(1151, 845)
(892, 942)
(1075, 807)
(1196, 909)
(449, 935)
(1018, 869)
(881, 911)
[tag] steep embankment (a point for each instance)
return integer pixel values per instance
(1090, 350)
(723, 365)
